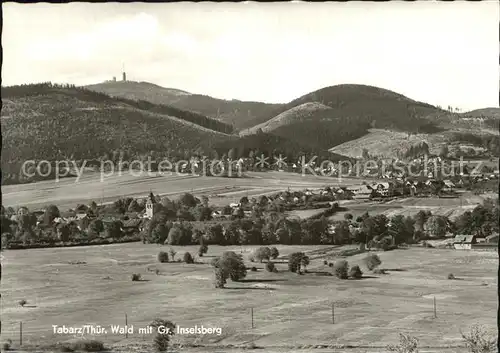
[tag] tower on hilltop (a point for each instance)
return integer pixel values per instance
(124, 75)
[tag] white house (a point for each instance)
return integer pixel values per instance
(464, 242)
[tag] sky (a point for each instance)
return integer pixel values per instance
(442, 53)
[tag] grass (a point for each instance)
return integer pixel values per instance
(289, 310)
(221, 191)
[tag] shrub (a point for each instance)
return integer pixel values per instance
(172, 253)
(340, 269)
(23, 302)
(202, 250)
(355, 272)
(83, 345)
(330, 264)
(478, 341)
(372, 261)
(451, 276)
(262, 253)
(270, 266)
(157, 271)
(220, 278)
(407, 344)
(325, 262)
(162, 340)
(296, 260)
(136, 277)
(253, 269)
(188, 258)
(162, 257)
(274, 253)
(6, 346)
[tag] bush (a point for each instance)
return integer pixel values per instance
(274, 253)
(372, 261)
(296, 260)
(6, 346)
(340, 269)
(162, 340)
(162, 257)
(330, 264)
(220, 278)
(262, 253)
(188, 258)
(451, 276)
(478, 340)
(325, 262)
(355, 272)
(136, 277)
(23, 302)
(83, 345)
(407, 344)
(270, 266)
(202, 250)
(172, 253)
(253, 269)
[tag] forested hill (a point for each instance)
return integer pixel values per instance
(99, 97)
(51, 122)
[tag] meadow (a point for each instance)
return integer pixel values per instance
(68, 192)
(290, 311)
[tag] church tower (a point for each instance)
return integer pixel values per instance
(150, 205)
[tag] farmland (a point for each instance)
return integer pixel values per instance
(69, 191)
(289, 310)
(409, 206)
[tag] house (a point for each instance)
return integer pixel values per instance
(464, 242)
(132, 225)
(448, 185)
(362, 192)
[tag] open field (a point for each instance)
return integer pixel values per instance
(289, 310)
(409, 206)
(68, 192)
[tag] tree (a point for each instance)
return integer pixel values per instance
(401, 229)
(232, 266)
(340, 269)
(162, 257)
(295, 261)
(262, 253)
(436, 226)
(348, 216)
(478, 340)
(274, 253)
(159, 234)
(51, 212)
(407, 344)
(341, 233)
(188, 200)
(270, 267)
(355, 272)
(96, 226)
(443, 152)
(372, 261)
(172, 253)
(114, 230)
(164, 329)
(220, 278)
(420, 218)
(174, 235)
(188, 258)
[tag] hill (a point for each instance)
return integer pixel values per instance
(51, 122)
(353, 110)
(240, 114)
(302, 112)
(484, 113)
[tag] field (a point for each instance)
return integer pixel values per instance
(409, 206)
(290, 311)
(68, 192)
